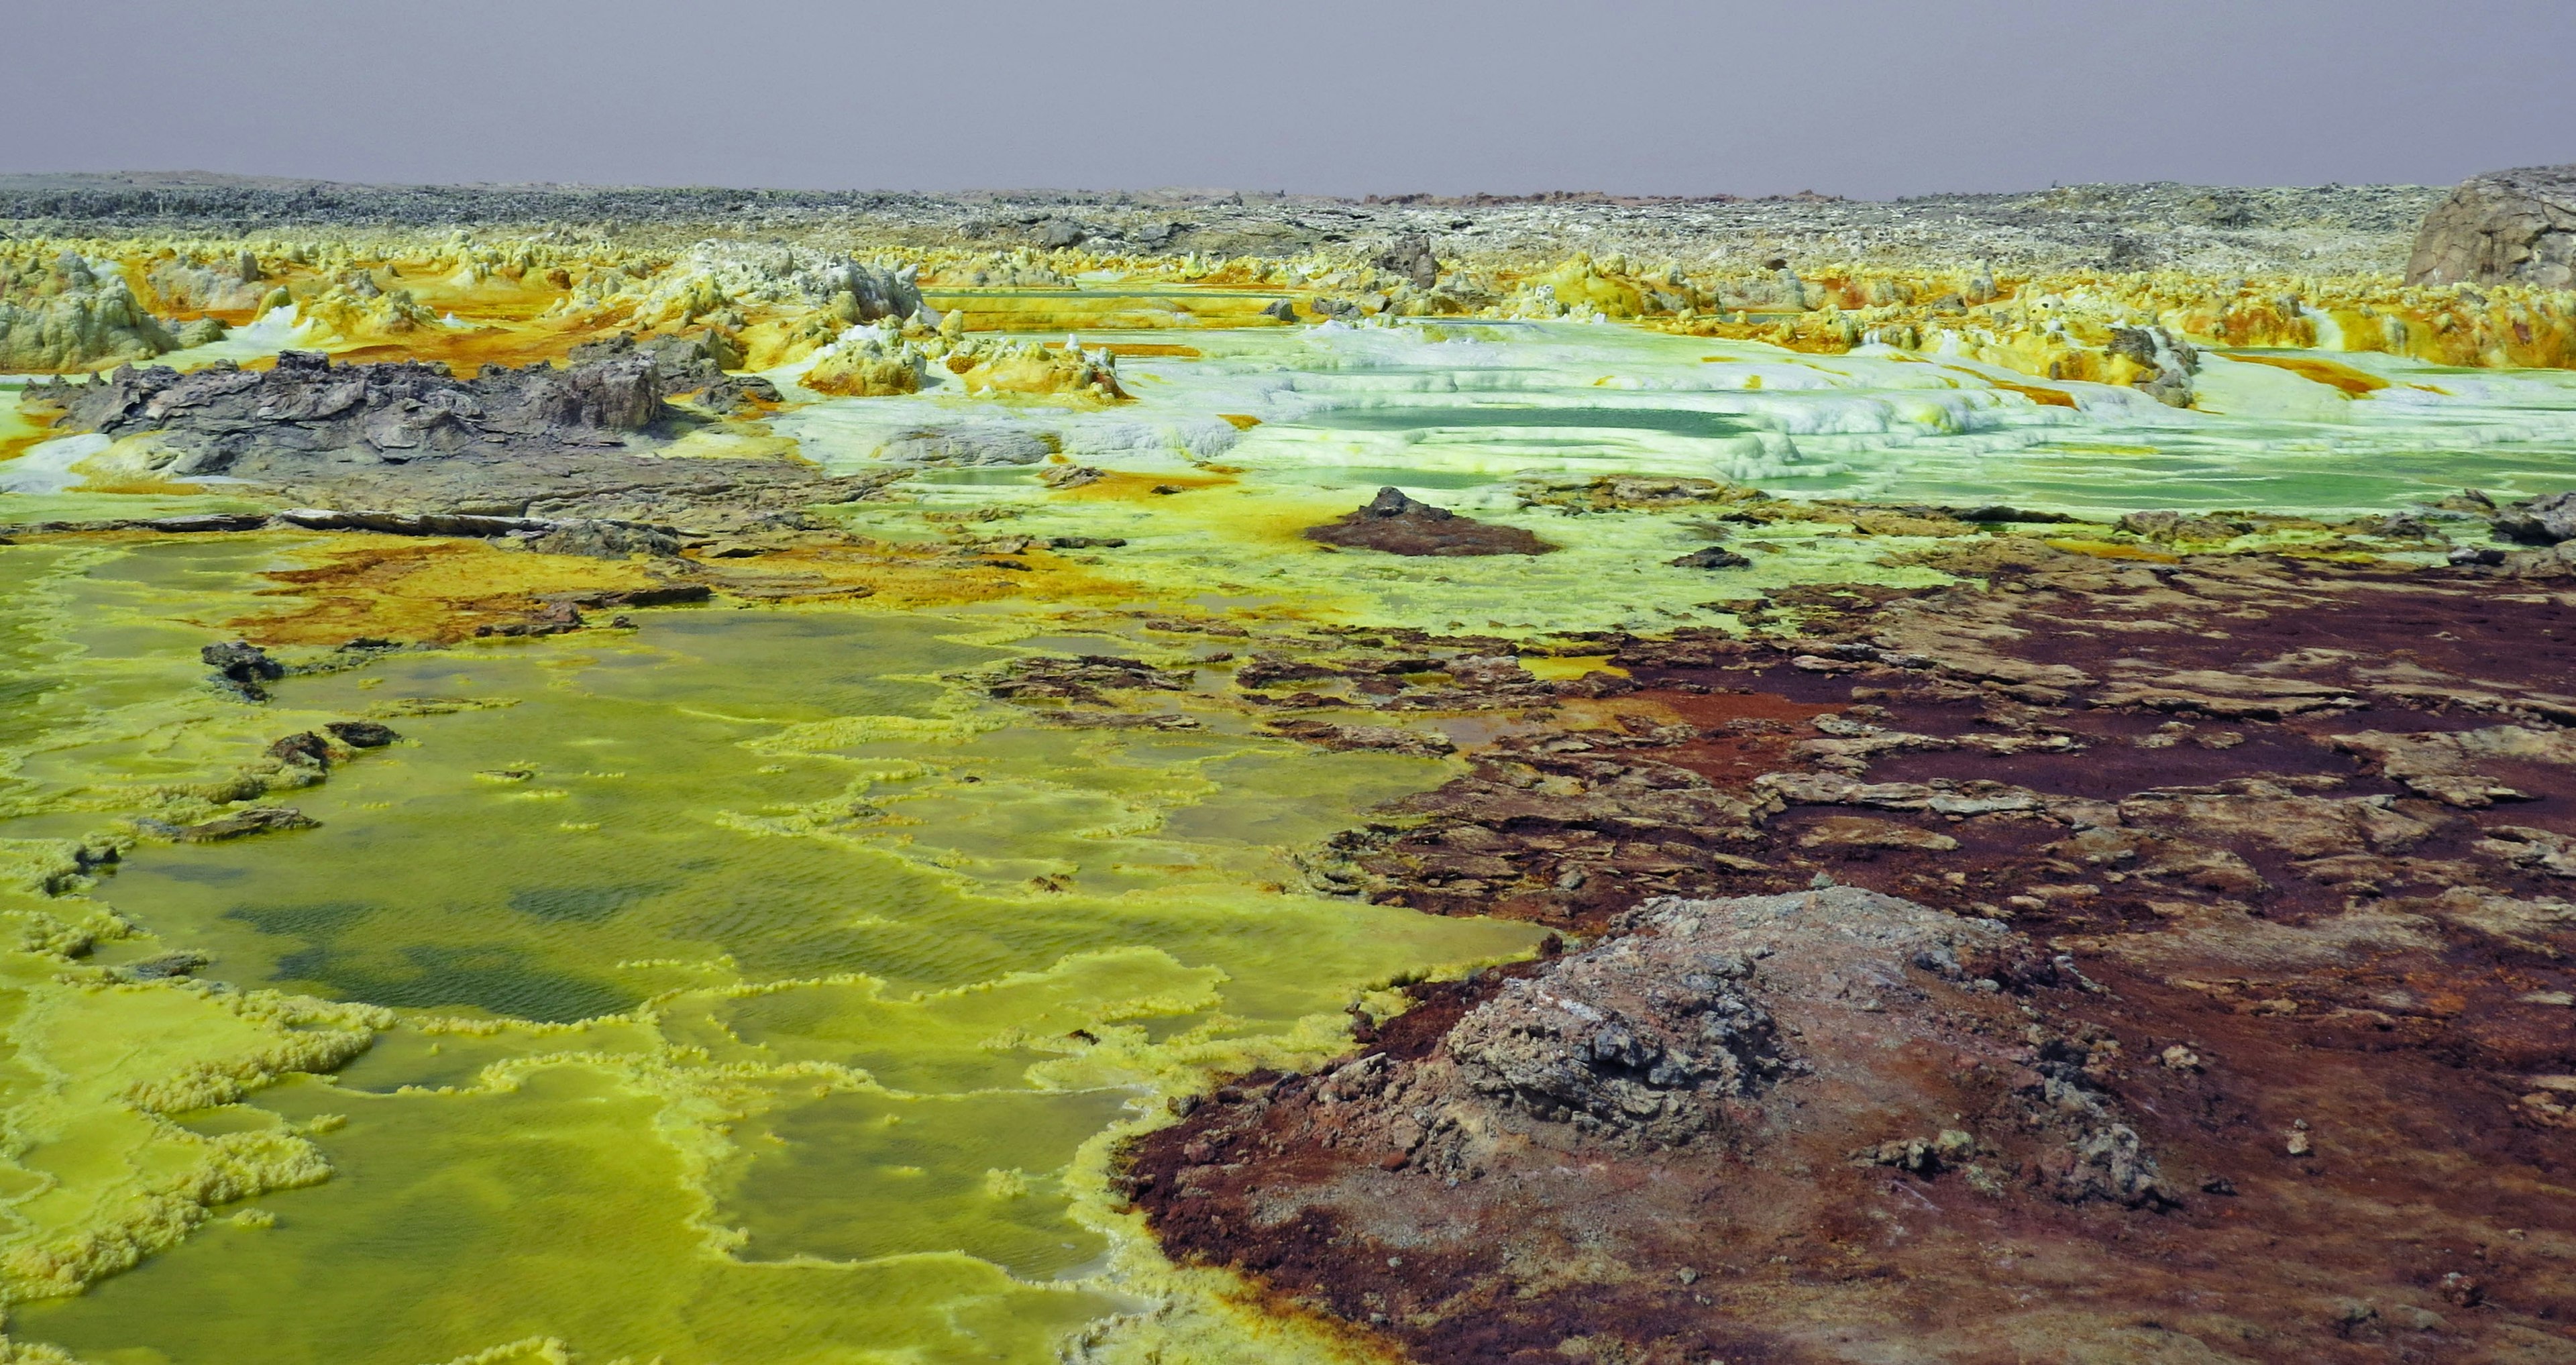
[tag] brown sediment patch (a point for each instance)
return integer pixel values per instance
(434, 590)
(1740, 735)
(2344, 379)
(2055, 398)
(444, 590)
(466, 352)
(1117, 486)
(1240, 421)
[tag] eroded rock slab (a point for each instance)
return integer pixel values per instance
(2517, 226)
(412, 439)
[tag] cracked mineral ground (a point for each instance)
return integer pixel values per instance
(712, 776)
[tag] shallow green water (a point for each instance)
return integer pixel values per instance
(854, 1057)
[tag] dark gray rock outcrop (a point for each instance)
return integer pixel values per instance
(1411, 257)
(307, 413)
(242, 668)
(410, 448)
(2541, 521)
(1633, 1037)
(2516, 227)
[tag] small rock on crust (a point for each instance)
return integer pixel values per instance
(1398, 525)
(361, 734)
(1381, 738)
(2541, 521)
(241, 667)
(1712, 557)
(249, 820)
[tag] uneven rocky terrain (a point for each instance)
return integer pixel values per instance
(2330, 229)
(2110, 902)
(2223, 1015)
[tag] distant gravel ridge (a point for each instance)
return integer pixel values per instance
(2331, 229)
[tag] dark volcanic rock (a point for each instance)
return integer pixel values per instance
(361, 734)
(164, 966)
(1381, 738)
(623, 394)
(1642, 1037)
(1083, 678)
(1412, 258)
(242, 667)
(246, 821)
(605, 540)
(2541, 521)
(411, 444)
(2514, 227)
(1712, 557)
(308, 414)
(1731, 1080)
(1400, 526)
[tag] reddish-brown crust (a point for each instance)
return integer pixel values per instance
(2432, 1216)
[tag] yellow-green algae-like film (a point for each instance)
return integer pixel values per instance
(703, 1001)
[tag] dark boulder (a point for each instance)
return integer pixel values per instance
(2541, 521)
(605, 540)
(242, 667)
(361, 734)
(246, 821)
(1712, 557)
(307, 749)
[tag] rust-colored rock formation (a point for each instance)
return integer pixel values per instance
(1398, 525)
(2224, 1015)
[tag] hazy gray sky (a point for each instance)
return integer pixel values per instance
(1869, 98)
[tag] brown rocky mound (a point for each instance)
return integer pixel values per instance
(2515, 227)
(1839, 1126)
(1398, 525)
(2267, 860)
(1767, 1072)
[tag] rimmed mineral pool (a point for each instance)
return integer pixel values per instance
(1449, 400)
(735, 1024)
